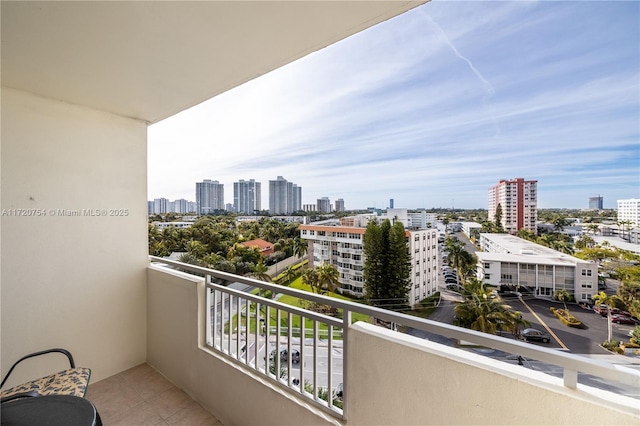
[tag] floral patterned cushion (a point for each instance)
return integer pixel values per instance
(73, 381)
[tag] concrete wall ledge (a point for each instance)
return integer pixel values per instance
(400, 379)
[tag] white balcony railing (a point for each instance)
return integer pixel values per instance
(247, 328)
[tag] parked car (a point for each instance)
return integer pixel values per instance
(533, 334)
(284, 356)
(622, 319)
(340, 392)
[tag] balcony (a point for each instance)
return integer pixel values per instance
(74, 136)
(212, 342)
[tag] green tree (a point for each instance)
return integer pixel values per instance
(310, 278)
(374, 262)
(497, 218)
(328, 277)
(300, 247)
(563, 296)
(526, 234)
(398, 270)
(585, 241)
(610, 302)
(387, 270)
(259, 271)
(459, 258)
(481, 312)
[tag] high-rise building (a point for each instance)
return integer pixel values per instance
(284, 197)
(595, 203)
(517, 202)
(209, 196)
(180, 206)
(339, 205)
(390, 203)
(629, 210)
(324, 205)
(247, 196)
(160, 205)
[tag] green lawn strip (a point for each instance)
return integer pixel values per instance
(295, 324)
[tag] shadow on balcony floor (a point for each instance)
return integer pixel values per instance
(142, 396)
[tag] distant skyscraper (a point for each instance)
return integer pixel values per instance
(209, 196)
(518, 201)
(390, 203)
(181, 206)
(247, 196)
(160, 205)
(595, 203)
(324, 205)
(284, 197)
(339, 205)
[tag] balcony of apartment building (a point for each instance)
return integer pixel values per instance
(81, 82)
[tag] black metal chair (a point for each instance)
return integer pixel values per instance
(54, 399)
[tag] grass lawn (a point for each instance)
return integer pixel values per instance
(295, 319)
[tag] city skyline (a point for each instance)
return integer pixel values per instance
(432, 108)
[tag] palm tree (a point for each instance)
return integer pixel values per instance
(290, 274)
(562, 295)
(458, 257)
(328, 277)
(300, 247)
(259, 271)
(593, 228)
(609, 301)
(310, 278)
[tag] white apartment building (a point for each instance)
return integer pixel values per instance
(524, 266)
(340, 242)
(518, 200)
(339, 205)
(629, 210)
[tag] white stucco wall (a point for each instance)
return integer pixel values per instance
(77, 282)
(455, 387)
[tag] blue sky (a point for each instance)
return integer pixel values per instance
(431, 108)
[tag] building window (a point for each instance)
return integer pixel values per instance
(487, 276)
(586, 284)
(304, 232)
(487, 265)
(586, 272)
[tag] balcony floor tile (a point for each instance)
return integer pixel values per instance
(142, 396)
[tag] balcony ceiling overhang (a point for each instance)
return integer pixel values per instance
(150, 60)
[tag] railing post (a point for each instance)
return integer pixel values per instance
(570, 378)
(346, 322)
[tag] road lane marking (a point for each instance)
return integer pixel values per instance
(544, 325)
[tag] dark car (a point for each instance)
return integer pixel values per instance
(284, 356)
(340, 392)
(533, 334)
(622, 319)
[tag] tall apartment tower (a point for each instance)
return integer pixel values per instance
(209, 196)
(595, 203)
(339, 205)
(629, 210)
(160, 205)
(247, 196)
(324, 205)
(518, 201)
(284, 197)
(390, 203)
